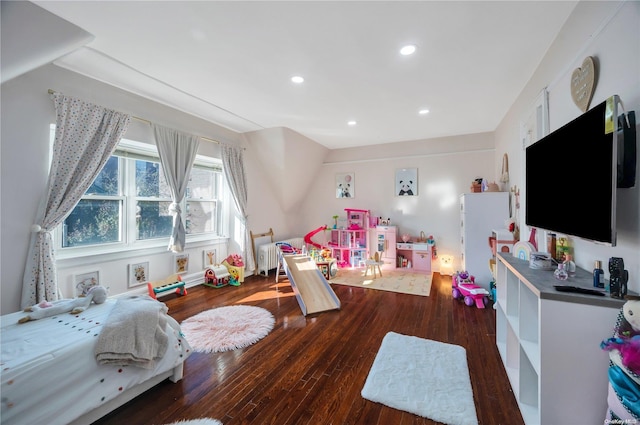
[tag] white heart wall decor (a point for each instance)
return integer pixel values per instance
(583, 83)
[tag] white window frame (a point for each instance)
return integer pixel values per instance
(128, 149)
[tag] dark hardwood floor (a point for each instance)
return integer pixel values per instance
(310, 370)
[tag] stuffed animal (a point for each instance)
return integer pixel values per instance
(626, 339)
(96, 294)
(624, 369)
(464, 277)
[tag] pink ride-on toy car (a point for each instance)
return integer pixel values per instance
(463, 286)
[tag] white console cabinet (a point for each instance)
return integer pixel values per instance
(549, 342)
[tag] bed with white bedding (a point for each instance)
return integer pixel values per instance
(50, 373)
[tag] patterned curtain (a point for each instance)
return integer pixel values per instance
(86, 136)
(177, 152)
(233, 164)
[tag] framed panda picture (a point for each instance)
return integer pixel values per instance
(407, 182)
(345, 185)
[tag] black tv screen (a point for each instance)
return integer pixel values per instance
(571, 178)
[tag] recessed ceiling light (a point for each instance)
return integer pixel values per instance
(408, 50)
(351, 123)
(423, 111)
(297, 79)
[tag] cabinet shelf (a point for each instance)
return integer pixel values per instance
(419, 254)
(541, 334)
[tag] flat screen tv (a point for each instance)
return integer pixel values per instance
(571, 176)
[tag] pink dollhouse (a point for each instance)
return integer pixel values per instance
(350, 246)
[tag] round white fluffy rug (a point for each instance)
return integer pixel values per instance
(203, 421)
(227, 328)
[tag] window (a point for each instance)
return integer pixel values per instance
(152, 200)
(97, 217)
(201, 201)
(128, 203)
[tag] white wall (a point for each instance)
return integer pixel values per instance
(446, 168)
(287, 163)
(609, 32)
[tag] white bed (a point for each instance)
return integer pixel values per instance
(50, 374)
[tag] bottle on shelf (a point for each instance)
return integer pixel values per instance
(561, 273)
(551, 245)
(598, 275)
(569, 265)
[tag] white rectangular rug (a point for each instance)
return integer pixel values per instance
(424, 377)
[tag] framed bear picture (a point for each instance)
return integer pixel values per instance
(407, 182)
(181, 264)
(138, 274)
(345, 185)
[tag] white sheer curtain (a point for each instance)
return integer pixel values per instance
(233, 165)
(86, 136)
(177, 152)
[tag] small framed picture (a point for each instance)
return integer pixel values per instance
(406, 183)
(138, 274)
(181, 264)
(83, 282)
(345, 185)
(209, 258)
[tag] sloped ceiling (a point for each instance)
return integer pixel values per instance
(230, 62)
(32, 37)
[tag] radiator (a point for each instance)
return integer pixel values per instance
(268, 254)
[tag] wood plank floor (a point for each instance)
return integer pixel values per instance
(310, 370)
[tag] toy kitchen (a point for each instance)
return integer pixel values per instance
(416, 254)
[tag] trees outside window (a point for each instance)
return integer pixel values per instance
(129, 202)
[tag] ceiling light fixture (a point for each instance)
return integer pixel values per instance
(408, 50)
(423, 111)
(351, 123)
(297, 79)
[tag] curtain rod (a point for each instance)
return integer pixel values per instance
(149, 122)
